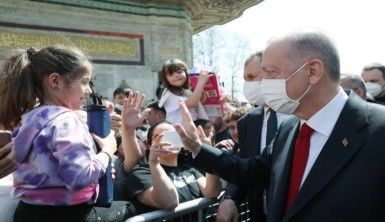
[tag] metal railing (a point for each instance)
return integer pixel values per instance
(193, 206)
(201, 210)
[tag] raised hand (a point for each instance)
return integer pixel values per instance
(131, 111)
(203, 77)
(202, 136)
(187, 131)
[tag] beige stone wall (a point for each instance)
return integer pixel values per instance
(164, 37)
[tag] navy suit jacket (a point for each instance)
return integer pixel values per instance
(249, 135)
(346, 183)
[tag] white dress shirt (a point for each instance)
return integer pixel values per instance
(323, 123)
(266, 114)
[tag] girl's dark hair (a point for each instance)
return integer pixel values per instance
(169, 68)
(22, 73)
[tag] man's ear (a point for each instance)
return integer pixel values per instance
(55, 80)
(316, 69)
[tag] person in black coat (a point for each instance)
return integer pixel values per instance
(252, 140)
(343, 174)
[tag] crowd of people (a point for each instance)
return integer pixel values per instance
(306, 147)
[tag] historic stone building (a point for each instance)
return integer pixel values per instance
(128, 40)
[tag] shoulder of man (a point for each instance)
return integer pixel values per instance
(253, 112)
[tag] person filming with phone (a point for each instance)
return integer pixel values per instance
(162, 183)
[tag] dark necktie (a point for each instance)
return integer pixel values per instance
(271, 127)
(301, 154)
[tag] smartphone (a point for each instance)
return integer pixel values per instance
(5, 137)
(173, 138)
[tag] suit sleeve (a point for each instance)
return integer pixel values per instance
(247, 172)
(233, 190)
(241, 127)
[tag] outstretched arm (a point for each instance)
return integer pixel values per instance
(246, 172)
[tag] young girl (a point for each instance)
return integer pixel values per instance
(57, 169)
(177, 87)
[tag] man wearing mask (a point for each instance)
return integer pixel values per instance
(357, 84)
(374, 76)
(326, 164)
(256, 130)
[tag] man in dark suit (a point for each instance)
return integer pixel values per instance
(325, 165)
(253, 137)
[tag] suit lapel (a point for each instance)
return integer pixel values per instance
(282, 166)
(343, 143)
(254, 127)
(258, 129)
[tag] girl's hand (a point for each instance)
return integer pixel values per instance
(156, 149)
(107, 144)
(203, 77)
(131, 115)
(202, 136)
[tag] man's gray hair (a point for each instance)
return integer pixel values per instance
(313, 45)
(354, 81)
(373, 66)
(257, 54)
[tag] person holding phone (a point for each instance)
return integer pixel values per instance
(162, 183)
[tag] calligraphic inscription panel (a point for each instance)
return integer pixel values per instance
(103, 47)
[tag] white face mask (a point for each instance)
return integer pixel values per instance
(252, 92)
(275, 94)
(373, 88)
